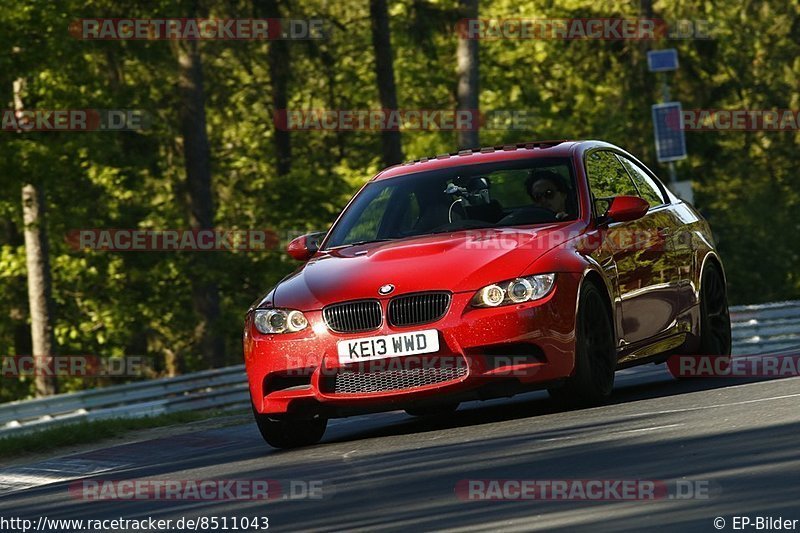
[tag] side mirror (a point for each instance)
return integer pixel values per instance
(304, 247)
(626, 208)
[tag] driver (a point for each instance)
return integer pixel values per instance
(548, 191)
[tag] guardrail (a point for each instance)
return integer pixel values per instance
(755, 329)
(765, 328)
(223, 388)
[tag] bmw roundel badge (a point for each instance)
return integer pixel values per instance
(386, 289)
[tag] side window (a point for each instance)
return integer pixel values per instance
(648, 189)
(607, 177)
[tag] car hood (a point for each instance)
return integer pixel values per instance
(457, 262)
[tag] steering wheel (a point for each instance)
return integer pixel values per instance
(458, 225)
(530, 214)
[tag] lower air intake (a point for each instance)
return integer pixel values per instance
(347, 382)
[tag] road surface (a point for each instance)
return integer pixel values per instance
(734, 442)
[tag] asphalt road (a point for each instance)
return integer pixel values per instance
(733, 441)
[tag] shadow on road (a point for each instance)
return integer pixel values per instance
(373, 484)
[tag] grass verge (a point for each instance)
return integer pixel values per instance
(93, 431)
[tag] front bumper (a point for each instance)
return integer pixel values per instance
(504, 349)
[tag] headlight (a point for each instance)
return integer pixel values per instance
(515, 291)
(271, 321)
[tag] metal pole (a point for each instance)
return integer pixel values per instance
(673, 175)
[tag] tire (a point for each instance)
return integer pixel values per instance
(290, 433)
(433, 410)
(715, 319)
(595, 354)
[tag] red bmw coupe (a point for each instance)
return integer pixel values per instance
(483, 274)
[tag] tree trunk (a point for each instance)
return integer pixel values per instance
(278, 62)
(391, 143)
(37, 260)
(205, 293)
(467, 69)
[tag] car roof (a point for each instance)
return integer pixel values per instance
(489, 154)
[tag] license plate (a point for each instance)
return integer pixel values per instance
(385, 346)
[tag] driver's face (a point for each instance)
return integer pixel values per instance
(545, 194)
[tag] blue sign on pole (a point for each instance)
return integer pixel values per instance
(668, 128)
(662, 60)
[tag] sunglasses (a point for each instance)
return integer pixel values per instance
(546, 194)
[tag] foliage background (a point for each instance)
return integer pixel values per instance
(139, 303)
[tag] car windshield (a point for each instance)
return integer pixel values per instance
(508, 193)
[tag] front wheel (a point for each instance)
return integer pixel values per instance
(290, 433)
(595, 354)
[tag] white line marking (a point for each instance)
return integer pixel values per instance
(654, 428)
(744, 402)
(581, 435)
